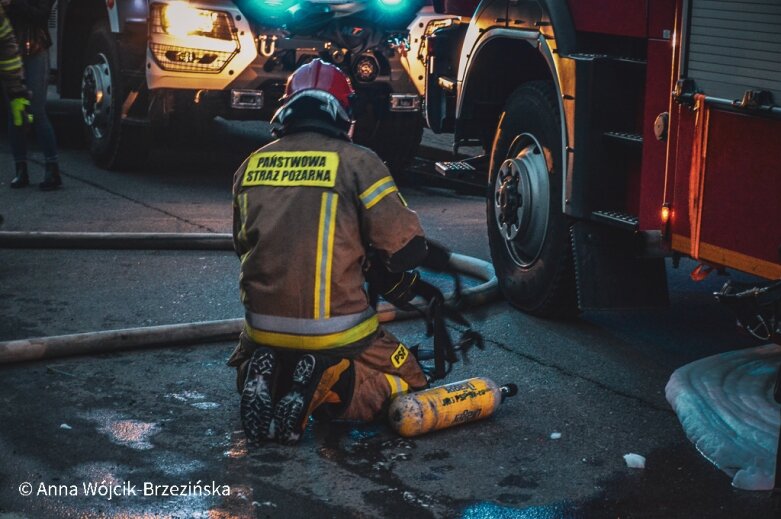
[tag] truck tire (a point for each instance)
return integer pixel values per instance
(113, 144)
(528, 233)
(394, 136)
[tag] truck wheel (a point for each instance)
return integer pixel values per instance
(528, 234)
(395, 137)
(113, 145)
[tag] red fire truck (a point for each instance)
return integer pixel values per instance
(617, 132)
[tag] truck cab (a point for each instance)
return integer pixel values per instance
(141, 68)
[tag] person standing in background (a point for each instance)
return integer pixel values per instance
(29, 19)
(11, 76)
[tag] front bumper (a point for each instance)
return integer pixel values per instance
(253, 67)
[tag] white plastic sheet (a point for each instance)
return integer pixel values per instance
(725, 404)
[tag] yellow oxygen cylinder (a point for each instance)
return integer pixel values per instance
(440, 407)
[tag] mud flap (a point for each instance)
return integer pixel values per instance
(609, 273)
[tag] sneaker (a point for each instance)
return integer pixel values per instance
(257, 405)
(290, 414)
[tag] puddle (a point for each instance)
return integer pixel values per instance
(129, 433)
(186, 396)
(205, 405)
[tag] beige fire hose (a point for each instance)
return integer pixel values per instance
(189, 333)
(115, 240)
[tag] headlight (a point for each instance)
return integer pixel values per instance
(189, 39)
(180, 19)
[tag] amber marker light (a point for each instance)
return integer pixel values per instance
(665, 214)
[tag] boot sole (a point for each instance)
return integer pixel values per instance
(257, 406)
(289, 411)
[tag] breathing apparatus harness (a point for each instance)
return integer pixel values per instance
(400, 288)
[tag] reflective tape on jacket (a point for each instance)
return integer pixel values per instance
(5, 28)
(377, 191)
(324, 259)
(11, 64)
(311, 334)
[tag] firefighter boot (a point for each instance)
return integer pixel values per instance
(22, 179)
(257, 405)
(52, 180)
(314, 377)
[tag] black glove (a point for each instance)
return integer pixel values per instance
(438, 257)
(420, 252)
(394, 287)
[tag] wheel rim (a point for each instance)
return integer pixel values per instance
(521, 198)
(96, 96)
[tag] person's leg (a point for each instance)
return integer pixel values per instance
(257, 371)
(257, 396)
(37, 75)
(349, 389)
(382, 371)
(315, 381)
(18, 141)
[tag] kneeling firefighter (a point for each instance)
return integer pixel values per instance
(309, 209)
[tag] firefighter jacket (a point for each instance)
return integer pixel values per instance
(307, 209)
(11, 75)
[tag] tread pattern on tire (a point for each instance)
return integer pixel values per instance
(560, 298)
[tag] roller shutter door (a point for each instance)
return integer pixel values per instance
(735, 46)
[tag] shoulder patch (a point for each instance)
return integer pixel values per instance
(291, 169)
(399, 356)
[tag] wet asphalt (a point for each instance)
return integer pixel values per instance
(161, 420)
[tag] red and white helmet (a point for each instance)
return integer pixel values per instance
(314, 90)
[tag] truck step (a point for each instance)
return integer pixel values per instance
(425, 170)
(454, 169)
(625, 137)
(618, 219)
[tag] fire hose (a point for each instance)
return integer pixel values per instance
(189, 333)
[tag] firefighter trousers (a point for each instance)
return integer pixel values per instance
(379, 372)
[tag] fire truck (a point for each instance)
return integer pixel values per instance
(617, 132)
(152, 67)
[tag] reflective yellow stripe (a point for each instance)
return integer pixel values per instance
(330, 256)
(397, 385)
(243, 217)
(374, 186)
(5, 28)
(8, 65)
(314, 342)
(319, 256)
(377, 191)
(385, 192)
(324, 258)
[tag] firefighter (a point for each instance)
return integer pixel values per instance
(11, 76)
(309, 210)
